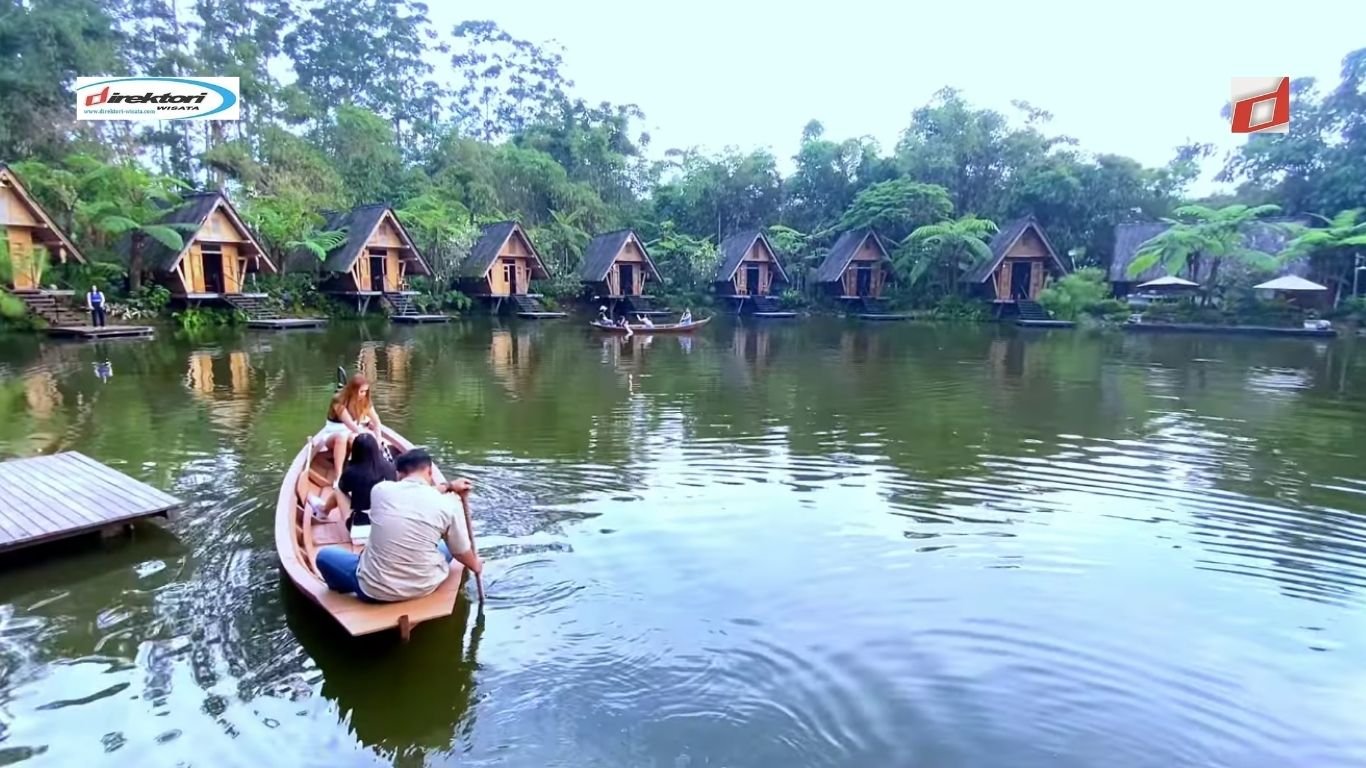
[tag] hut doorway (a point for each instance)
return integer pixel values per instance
(626, 279)
(377, 267)
(752, 280)
(863, 282)
(1020, 274)
(510, 274)
(212, 257)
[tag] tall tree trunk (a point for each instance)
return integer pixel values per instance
(135, 261)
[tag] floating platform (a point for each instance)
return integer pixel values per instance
(47, 498)
(286, 323)
(1240, 330)
(880, 316)
(92, 333)
(1045, 323)
(773, 315)
(542, 315)
(418, 319)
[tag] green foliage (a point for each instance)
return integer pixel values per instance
(433, 297)
(198, 319)
(954, 308)
(1201, 239)
(150, 299)
(896, 208)
(945, 252)
(686, 263)
(791, 299)
(1084, 291)
(1332, 250)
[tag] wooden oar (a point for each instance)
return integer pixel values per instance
(469, 528)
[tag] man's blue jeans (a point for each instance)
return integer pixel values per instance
(338, 568)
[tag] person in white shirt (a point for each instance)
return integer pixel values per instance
(685, 318)
(646, 321)
(416, 530)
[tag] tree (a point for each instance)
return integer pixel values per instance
(713, 197)
(367, 54)
(828, 175)
(44, 46)
(442, 229)
(896, 208)
(508, 83)
(1201, 239)
(1333, 249)
(115, 202)
(946, 251)
(286, 224)
(686, 263)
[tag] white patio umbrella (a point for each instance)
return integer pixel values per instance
(1289, 283)
(1169, 281)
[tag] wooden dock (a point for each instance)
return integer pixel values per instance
(93, 333)
(544, 315)
(411, 319)
(286, 323)
(1241, 330)
(1045, 323)
(884, 317)
(46, 498)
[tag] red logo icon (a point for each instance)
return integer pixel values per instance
(1261, 105)
(98, 97)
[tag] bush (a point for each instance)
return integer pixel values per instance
(1083, 291)
(433, 297)
(791, 299)
(959, 309)
(293, 294)
(148, 300)
(197, 319)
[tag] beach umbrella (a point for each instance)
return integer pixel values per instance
(1169, 281)
(1289, 283)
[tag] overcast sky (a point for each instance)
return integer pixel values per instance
(1135, 78)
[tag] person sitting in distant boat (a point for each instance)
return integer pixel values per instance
(416, 530)
(685, 318)
(646, 321)
(366, 467)
(603, 316)
(624, 323)
(349, 414)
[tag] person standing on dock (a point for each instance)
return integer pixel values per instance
(94, 301)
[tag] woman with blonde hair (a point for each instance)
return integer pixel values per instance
(350, 413)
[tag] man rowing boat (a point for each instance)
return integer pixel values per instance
(416, 530)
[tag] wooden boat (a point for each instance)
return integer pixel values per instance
(298, 537)
(660, 328)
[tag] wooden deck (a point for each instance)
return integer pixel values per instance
(544, 315)
(1045, 323)
(92, 333)
(285, 323)
(880, 316)
(46, 498)
(411, 319)
(1241, 330)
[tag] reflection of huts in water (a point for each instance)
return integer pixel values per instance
(229, 406)
(858, 346)
(367, 361)
(751, 344)
(397, 358)
(41, 394)
(1012, 358)
(511, 359)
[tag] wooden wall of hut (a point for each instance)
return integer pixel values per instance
(17, 223)
(630, 254)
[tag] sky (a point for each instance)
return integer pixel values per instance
(1132, 78)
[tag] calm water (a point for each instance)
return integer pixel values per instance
(813, 544)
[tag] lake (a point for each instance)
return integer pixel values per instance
(804, 544)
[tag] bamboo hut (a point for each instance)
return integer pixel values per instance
(500, 268)
(375, 261)
(1021, 261)
(856, 271)
(218, 256)
(616, 272)
(27, 230)
(750, 274)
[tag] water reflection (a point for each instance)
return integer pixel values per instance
(809, 543)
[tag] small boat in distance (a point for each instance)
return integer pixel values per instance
(658, 328)
(298, 537)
